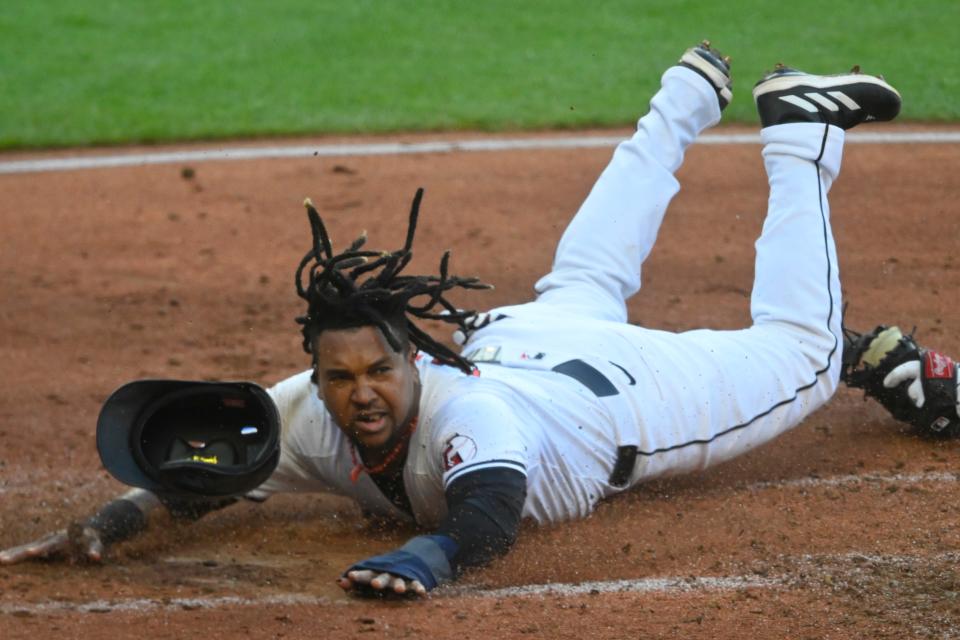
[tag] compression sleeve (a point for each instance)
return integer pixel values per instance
(483, 514)
(124, 517)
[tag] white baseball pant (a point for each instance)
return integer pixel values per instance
(705, 396)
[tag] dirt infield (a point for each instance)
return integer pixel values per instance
(847, 527)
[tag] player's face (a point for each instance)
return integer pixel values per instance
(371, 391)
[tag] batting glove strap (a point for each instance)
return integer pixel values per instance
(424, 558)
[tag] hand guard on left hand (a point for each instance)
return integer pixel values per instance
(422, 563)
(915, 385)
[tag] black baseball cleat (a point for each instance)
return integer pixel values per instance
(845, 100)
(713, 66)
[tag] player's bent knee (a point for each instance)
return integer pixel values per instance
(811, 357)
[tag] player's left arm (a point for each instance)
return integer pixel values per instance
(483, 456)
(484, 509)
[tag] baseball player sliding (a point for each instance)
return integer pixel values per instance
(556, 404)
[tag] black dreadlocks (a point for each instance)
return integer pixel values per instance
(336, 299)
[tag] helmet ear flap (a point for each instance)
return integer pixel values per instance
(190, 438)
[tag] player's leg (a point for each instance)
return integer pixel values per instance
(751, 385)
(597, 263)
(796, 290)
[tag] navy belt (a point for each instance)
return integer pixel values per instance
(601, 387)
(588, 376)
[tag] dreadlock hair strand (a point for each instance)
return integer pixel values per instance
(364, 288)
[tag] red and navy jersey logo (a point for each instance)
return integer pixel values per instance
(457, 450)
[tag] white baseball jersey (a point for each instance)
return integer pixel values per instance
(543, 424)
(565, 383)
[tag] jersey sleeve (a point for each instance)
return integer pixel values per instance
(478, 431)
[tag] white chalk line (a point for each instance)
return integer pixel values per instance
(168, 604)
(663, 586)
(677, 585)
(646, 585)
(402, 148)
(853, 479)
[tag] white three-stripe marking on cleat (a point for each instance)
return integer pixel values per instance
(823, 101)
(800, 102)
(844, 99)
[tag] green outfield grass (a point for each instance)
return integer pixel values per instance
(77, 72)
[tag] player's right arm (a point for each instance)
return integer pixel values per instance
(121, 519)
(118, 520)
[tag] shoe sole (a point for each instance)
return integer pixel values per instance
(792, 81)
(719, 79)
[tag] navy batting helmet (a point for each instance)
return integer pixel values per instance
(190, 438)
